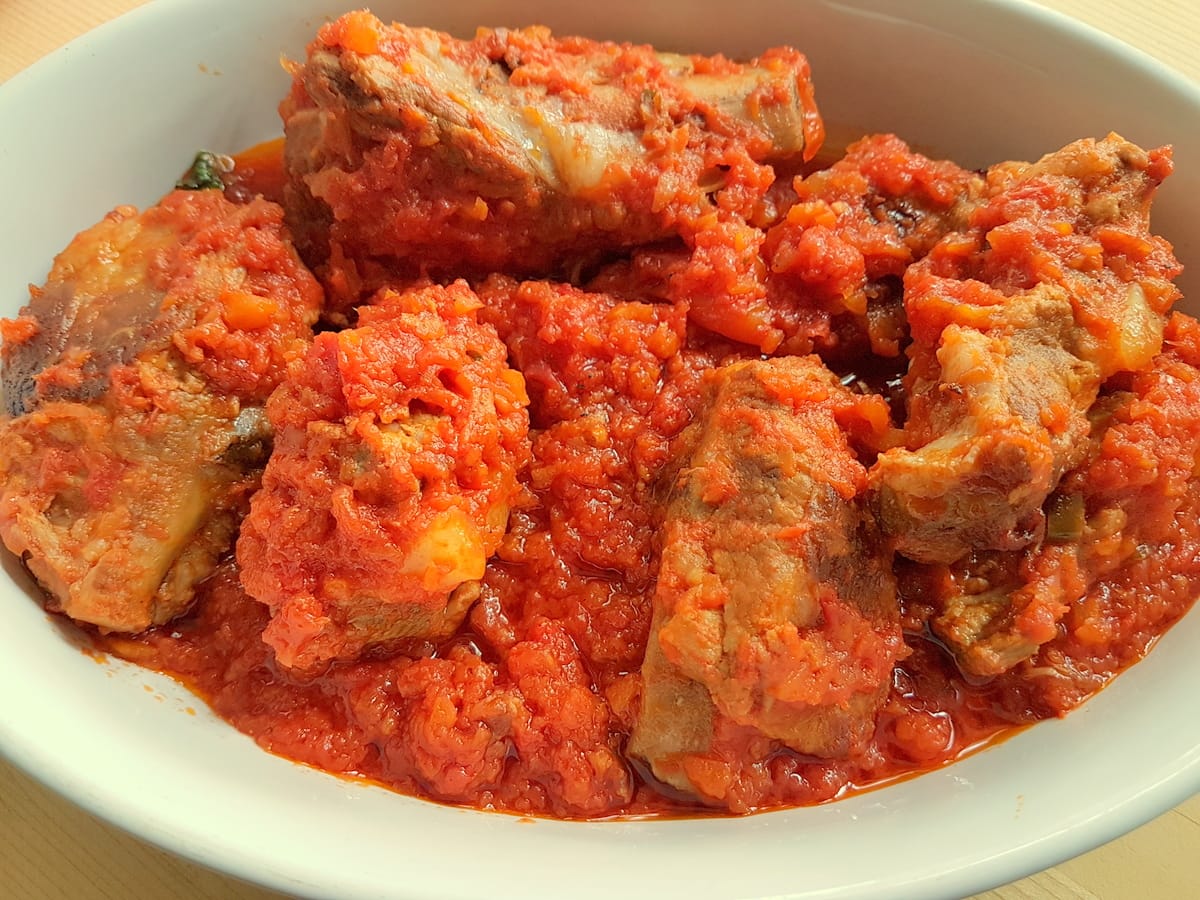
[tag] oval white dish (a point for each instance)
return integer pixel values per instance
(977, 82)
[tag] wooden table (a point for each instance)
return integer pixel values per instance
(48, 848)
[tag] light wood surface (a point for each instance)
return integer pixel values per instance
(50, 849)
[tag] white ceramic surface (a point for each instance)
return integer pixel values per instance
(113, 117)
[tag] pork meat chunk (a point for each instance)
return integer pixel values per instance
(1056, 285)
(775, 608)
(397, 449)
(521, 152)
(1117, 512)
(134, 382)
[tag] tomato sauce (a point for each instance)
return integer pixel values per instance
(257, 171)
(527, 707)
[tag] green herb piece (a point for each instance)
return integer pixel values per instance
(205, 173)
(1064, 517)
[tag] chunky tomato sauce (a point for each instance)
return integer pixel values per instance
(527, 707)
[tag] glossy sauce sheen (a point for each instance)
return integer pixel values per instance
(528, 706)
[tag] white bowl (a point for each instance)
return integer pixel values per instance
(111, 119)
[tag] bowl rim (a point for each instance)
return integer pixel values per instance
(201, 846)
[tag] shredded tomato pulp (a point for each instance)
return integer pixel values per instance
(527, 707)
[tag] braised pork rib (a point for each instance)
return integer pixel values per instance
(134, 383)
